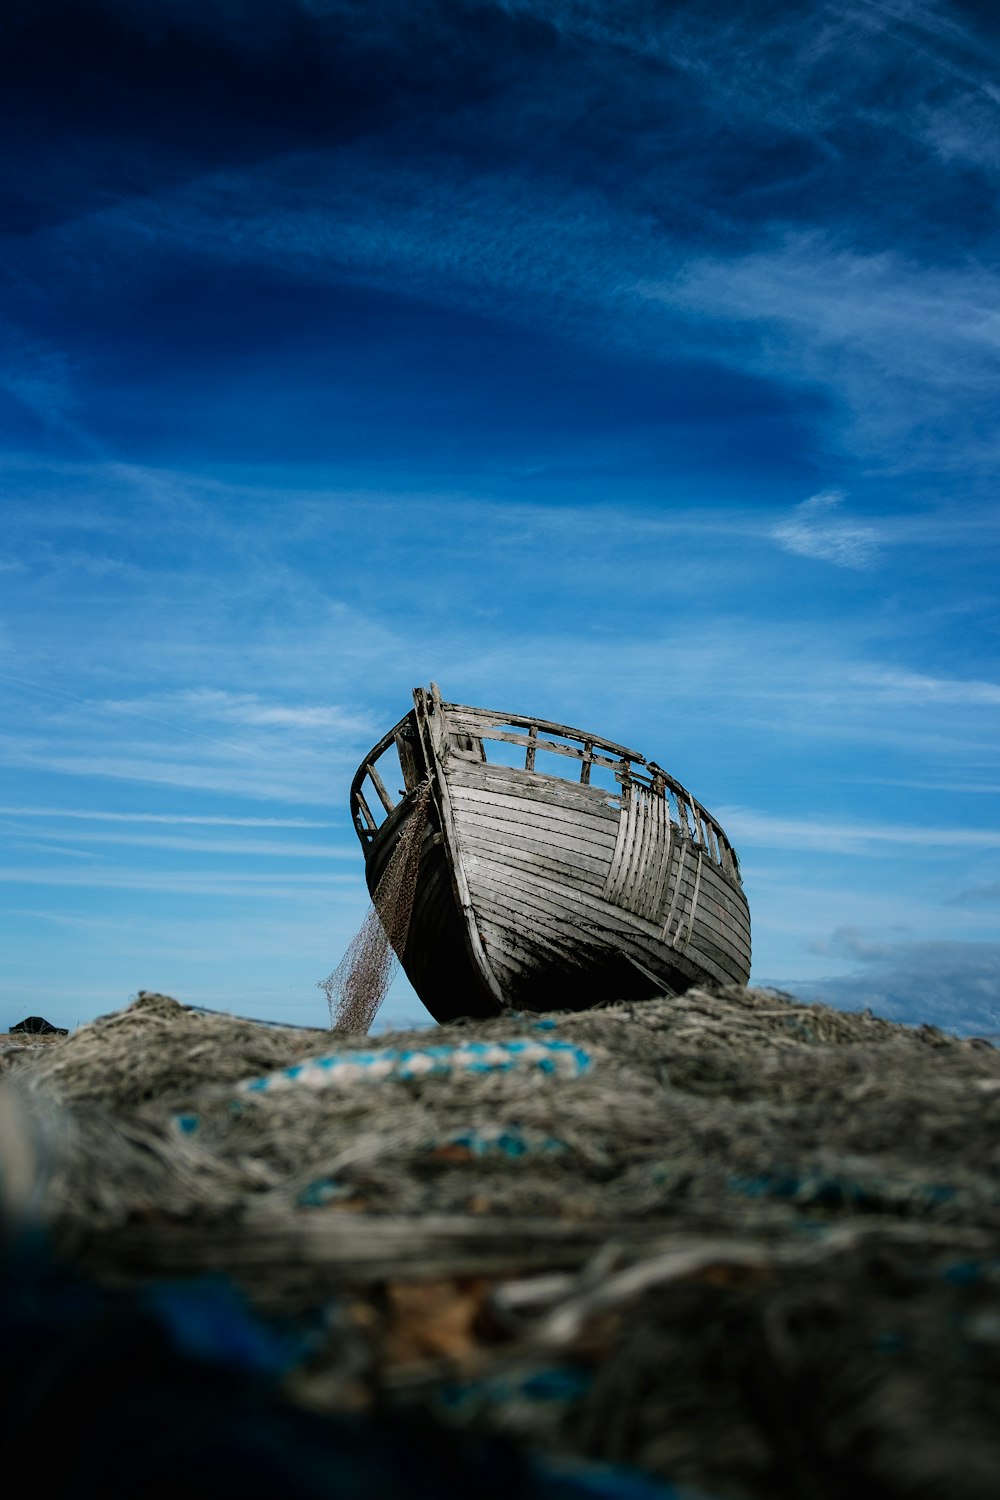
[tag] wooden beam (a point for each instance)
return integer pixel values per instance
(365, 811)
(379, 785)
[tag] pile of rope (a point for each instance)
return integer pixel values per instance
(732, 1239)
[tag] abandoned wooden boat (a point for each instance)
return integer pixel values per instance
(556, 869)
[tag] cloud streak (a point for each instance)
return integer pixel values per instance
(770, 831)
(201, 819)
(288, 886)
(954, 985)
(816, 529)
(245, 847)
(804, 275)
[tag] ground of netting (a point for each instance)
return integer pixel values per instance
(730, 1244)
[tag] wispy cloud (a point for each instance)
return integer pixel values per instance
(270, 848)
(825, 291)
(201, 819)
(954, 985)
(974, 894)
(817, 529)
(297, 777)
(42, 378)
(770, 831)
(917, 687)
(213, 705)
(290, 886)
(907, 350)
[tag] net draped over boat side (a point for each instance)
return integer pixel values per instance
(358, 985)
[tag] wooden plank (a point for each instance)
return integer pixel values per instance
(492, 774)
(365, 811)
(704, 952)
(630, 761)
(551, 828)
(589, 817)
(528, 908)
(522, 958)
(663, 867)
(726, 890)
(725, 910)
(537, 885)
(585, 804)
(554, 835)
(535, 898)
(614, 884)
(480, 720)
(548, 944)
(693, 907)
(647, 873)
(568, 872)
(525, 956)
(558, 940)
(578, 908)
(557, 833)
(711, 970)
(509, 969)
(433, 728)
(474, 720)
(724, 881)
(548, 930)
(531, 790)
(676, 886)
(593, 840)
(515, 782)
(722, 924)
(409, 765)
(720, 921)
(737, 963)
(379, 786)
(534, 742)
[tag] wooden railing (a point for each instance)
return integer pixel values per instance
(365, 822)
(468, 732)
(628, 767)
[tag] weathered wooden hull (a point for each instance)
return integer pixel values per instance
(540, 892)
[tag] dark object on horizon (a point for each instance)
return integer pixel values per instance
(540, 892)
(38, 1026)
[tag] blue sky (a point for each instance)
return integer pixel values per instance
(635, 366)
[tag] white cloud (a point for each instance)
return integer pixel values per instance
(893, 338)
(286, 885)
(213, 705)
(817, 530)
(292, 777)
(270, 848)
(834, 835)
(917, 687)
(954, 985)
(202, 820)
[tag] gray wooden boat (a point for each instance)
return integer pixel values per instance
(557, 869)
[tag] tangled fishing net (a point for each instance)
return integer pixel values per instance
(358, 985)
(731, 1240)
